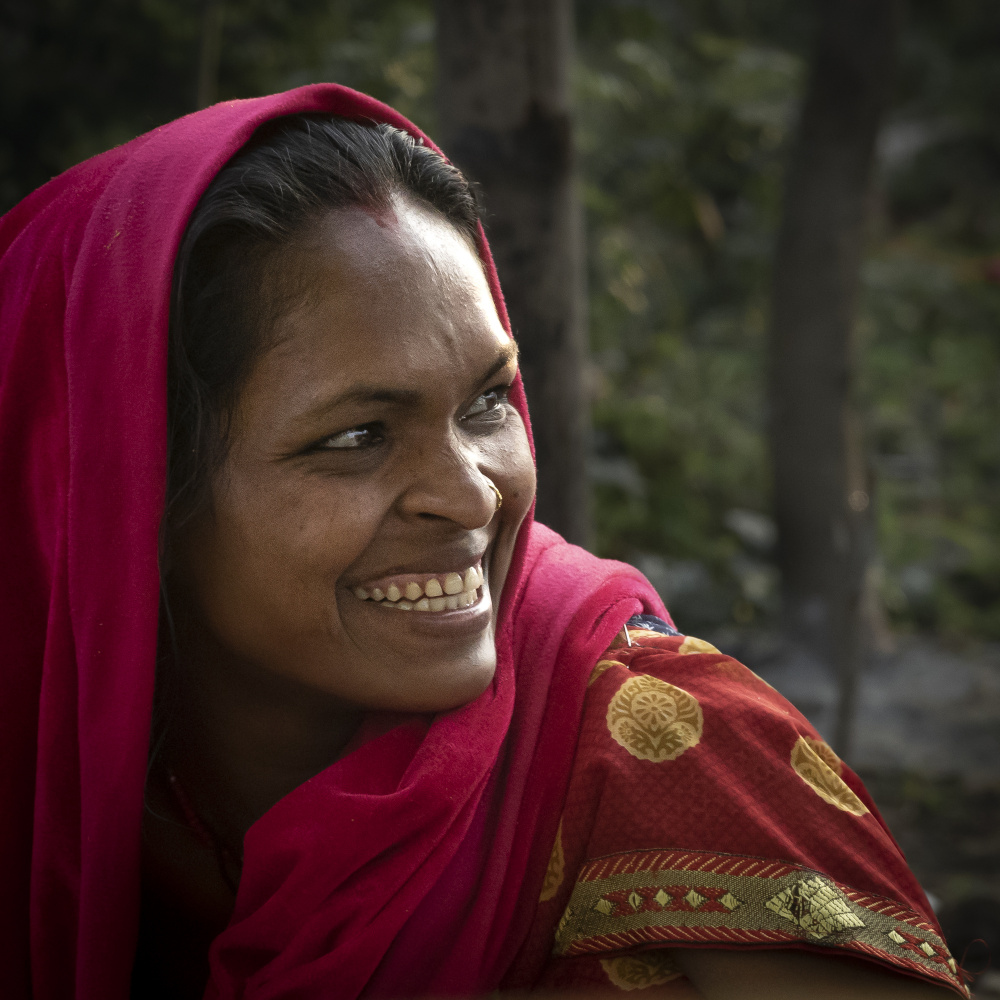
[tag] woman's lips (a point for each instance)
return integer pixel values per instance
(425, 591)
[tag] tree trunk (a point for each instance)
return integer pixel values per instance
(821, 498)
(211, 49)
(504, 107)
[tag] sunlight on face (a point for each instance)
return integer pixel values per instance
(363, 450)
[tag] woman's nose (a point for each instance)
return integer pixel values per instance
(448, 482)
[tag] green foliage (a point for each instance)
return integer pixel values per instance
(930, 330)
(79, 76)
(685, 117)
(683, 129)
(76, 78)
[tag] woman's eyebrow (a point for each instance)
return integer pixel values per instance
(361, 394)
(505, 356)
(399, 397)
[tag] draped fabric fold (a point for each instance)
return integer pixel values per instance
(412, 863)
(460, 840)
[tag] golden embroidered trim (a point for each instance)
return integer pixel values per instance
(636, 972)
(819, 767)
(654, 720)
(677, 898)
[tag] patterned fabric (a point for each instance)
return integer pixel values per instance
(704, 810)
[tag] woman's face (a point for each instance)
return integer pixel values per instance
(362, 451)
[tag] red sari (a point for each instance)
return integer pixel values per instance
(704, 811)
(412, 866)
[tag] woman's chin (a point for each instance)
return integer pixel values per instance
(446, 685)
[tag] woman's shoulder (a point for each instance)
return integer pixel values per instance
(651, 647)
(659, 697)
(667, 711)
(704, 809)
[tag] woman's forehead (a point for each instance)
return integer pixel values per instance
(368, 243)
(386, 301)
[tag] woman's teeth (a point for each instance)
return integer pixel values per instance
(447, 593)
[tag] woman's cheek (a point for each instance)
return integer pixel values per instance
(519, 463)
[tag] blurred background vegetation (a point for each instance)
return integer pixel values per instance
(684, 114)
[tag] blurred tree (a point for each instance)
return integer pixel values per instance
(821, 492)
(504, 112)
(931, 315)
(211, 44)
(684, 111)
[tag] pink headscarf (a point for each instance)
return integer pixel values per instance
(410, 866)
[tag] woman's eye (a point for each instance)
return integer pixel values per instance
(488, 401)
(354, 437)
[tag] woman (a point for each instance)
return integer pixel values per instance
(337, 719)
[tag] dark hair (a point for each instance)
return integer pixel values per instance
(292, 171)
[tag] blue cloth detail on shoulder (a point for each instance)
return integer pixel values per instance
(652, 623)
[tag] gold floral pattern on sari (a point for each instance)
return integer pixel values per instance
(636, 972)
(654, 720)
(825, 751)
(556, 870)
(602, 666)
(819, 767)
(693, 645)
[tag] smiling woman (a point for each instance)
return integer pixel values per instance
(335, 461)
(297, 699)
(351, 470)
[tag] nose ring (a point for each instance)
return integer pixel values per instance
(497, 493)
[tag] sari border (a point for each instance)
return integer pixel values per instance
(677, 897)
